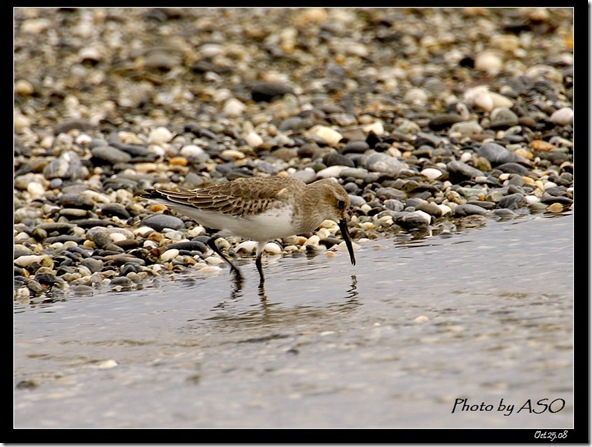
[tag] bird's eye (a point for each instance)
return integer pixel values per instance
(340, 204)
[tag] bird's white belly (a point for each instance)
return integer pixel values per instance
(271, 224)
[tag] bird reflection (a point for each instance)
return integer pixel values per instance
(238, 284)
(269, 312)
(353, 290)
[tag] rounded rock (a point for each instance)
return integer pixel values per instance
(161, 221)
(563, 116)
(160, 135)
(327, 134)
(496, 154)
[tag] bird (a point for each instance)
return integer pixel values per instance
(261, 209)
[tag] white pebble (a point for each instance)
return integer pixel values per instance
(331, 171)
(156, 268)
(198, 230)
(35, 189)
(233, 108)
(35, 26)
(562, 116)
(501, 100)
(210, 269)
(421, 319)
(330, 224)
(445, 209)
(356, 49)
(214, 260)
(191, 150)
(365, 208)
(384, 221)
(160, 135)
(27, 260)
(331, 136)
(489, 61)
(505, 42)
(431, 173)
(169, 254)
(375, 127)
(415, 96)
(173, 235)
(366, 225)
(90, 53)
(273, 248)
(150, 244)
(253, 139)
(466, 156)
(21, 237)
(21, 121)
(323, 233)
(23, 87)
(247, 246)
(116, 237)
(313, 240)
(107, 364)
(210, 50)
(232, 154)
(423, 215)
(481, 97)
(143, 231)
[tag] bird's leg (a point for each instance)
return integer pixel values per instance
(260, 247)
(212, 244)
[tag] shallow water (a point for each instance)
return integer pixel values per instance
(394, 341)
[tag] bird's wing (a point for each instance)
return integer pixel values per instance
(242, 197)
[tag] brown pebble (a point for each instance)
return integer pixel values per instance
(540, 145)
(156, 207)
(555, 208)
(178, 161)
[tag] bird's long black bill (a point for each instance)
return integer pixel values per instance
(347, 239)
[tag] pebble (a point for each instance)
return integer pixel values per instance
(233, 108)
(468, 209)
(466, 128)
(460, 169)
(161, 221)
(443, 121)
(555, 208)
(268, 91)
(272, 248)
(253, 139)
(332, 171)
(412, 220)
(168, 255)
(330, 136)
(247, 247)
(496, 154)
(383, 163)
(160, 135)
(431, 173)
(563, 116)
(490, 62)
(481, 97)
(110, 155)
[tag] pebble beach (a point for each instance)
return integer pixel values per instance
(433, 120)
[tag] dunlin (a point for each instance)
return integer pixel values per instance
(261, 209)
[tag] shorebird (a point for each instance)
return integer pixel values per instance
(261, 209)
